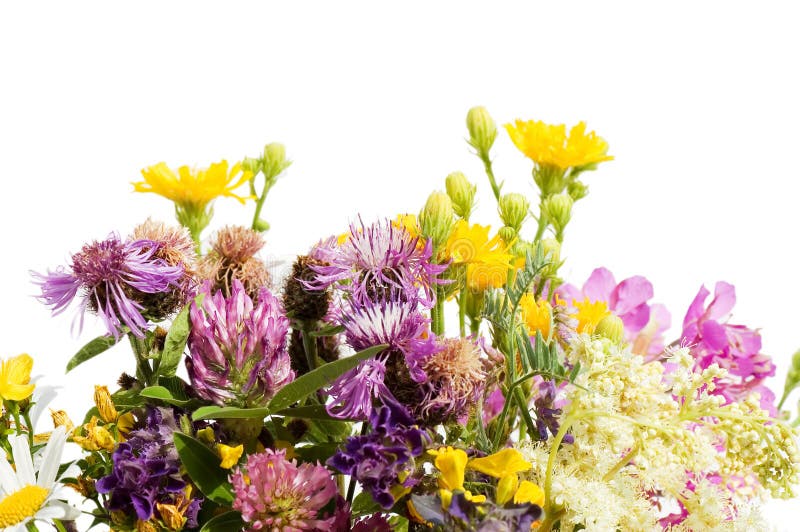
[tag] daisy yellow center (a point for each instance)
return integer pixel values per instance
(21, 505)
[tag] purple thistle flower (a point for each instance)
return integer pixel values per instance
(354, 391)
(276, 494)
(377, 260)
(382, 458)
(238, 349)
(114, 276)
(146, 470)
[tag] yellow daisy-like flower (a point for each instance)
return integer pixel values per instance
(487, 260)
(194, 187)
(15, 376)
(409, 223)
(549, 145)
(536, 315)
(589, 314)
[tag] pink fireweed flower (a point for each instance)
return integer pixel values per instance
(115, 276)
(276, 494)
(238, 354)
(644, 324)
(376, 260)
(733, 347)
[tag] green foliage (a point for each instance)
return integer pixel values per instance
(174, 344)
(91, 350)
(202, 465)
(224, 523)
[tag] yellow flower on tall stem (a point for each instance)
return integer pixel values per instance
(193, 190)
(15, 376)
(487, 259)
(550, 145)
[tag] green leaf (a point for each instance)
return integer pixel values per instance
(328, 330)
(175, 343)
(91, 350)
(318, 452)
(229, 412)
(202, 464)
(305, 385)
(162, 394)
(364, 504)
(309, 412)
(224, 523)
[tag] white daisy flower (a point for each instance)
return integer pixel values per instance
(27, 494)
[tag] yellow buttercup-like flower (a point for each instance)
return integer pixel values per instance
(194, 187)
(536, 315)
(549, 145)
(589, 314)
(487, 259)
(451, 463)
(15, 377)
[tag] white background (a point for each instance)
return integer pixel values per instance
(698, 101)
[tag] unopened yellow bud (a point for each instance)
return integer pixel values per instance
(61, 419)
(462, 194)
(482, 129)
(102, 399)
(558, 211)
(513, 209)
(436, 218)
(611, 327)
(274, 161)
(171, 516)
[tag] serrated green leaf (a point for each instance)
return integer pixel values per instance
(224, 523)
(229, 412)
(305, 385)
(91, 350)
(175, 343)
(163, 394)
(202, 465)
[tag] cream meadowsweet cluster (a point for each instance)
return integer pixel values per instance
(415, 372)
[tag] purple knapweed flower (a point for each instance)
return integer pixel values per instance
(735, 348)
(383, 458)
(375, 261)
(238, 353)
(146, 471)
(115, 276)
(276, 494)
(396, 323)
(643, 323)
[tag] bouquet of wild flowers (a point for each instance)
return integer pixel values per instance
(340, 401)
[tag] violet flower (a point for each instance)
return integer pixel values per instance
(276, 494)
(238, 353)
(735, 348)
(114, 277)
(384, 458)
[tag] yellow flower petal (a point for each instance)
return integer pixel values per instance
(589, 314)
(536, 315)
(506, 488)
(451, 463)
(549, 145)
(229, 455)
(530, 493)
(15, 374)
(500, 464)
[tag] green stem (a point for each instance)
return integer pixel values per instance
(487, 165)
(260, 202)
(310, 347)
(462, 313)
(542, 225)
(437, 314)
(551, 463)
(140, 350)
(28, 424)
(625, 460)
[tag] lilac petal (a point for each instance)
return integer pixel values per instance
(599, 285)
(723, 302)
(569, 293)
(661, 316)
(696, 309)
(630, 294)
(714, 335)
(637, 318)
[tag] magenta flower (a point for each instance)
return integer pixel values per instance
(733, 347)
(276, 494)
(644, 324)
(238, 349)
(115, 277)
(376, 262)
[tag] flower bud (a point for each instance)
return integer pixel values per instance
(611, 327)
(558, 210)
(462, 194)
(551, 247)
(61, 419)
(577, 190)
(513, 209)
(102, 398)
(482, 129)
(274, 161)
(171, 516)
(251, 165)
(436, 218)
(507, 234)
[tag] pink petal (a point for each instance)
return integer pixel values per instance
(724, 299)
(696, 309)
(599, 285)
(637, 318)
(569, 293)
(630, 294)
(714, 335)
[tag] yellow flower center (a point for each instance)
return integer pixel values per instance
(589, 314)
(21, 505)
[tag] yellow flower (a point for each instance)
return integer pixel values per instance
(105, 406)
(229, 455)
(487, 260)
(498, 465)
(529, 492)
(96, 437)
(194, 188)
(549, 145)
(451, 464)
(15, 374)
(589, 314)
(409, 223)
(536, 316)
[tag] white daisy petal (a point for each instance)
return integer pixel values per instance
(59, 510)
(42, 396)
(22, 460)
(52, 458)
(8, 478)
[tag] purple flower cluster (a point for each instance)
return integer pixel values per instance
(115, 276)
(548, 410)
(146, 470)
(383, 459)
(238, 348)
(735, 348)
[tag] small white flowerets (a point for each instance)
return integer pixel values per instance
(27, 494)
